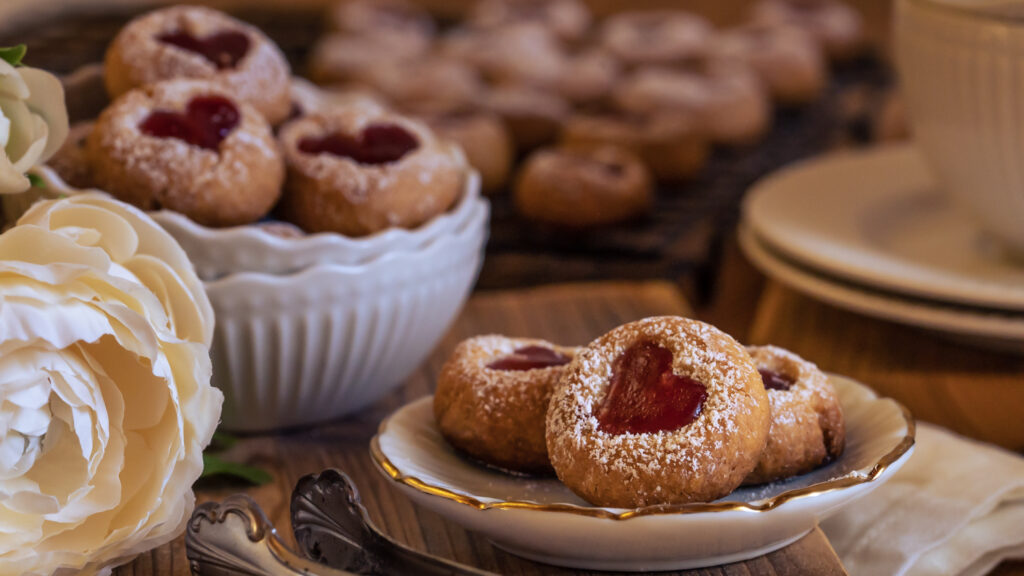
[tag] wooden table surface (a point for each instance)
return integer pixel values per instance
(977, 393)
(972, 391)
(570, 314)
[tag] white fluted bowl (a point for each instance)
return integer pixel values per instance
(293, 350)
(218, 252)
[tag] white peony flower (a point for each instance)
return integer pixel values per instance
(33, 122)
(105, 396)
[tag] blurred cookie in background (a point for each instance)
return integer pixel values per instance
(670, 144)
(726, 98)
(533, 116)
(583, 187)
(786, 57)
(483, 138)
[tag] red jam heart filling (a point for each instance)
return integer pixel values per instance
(206, 122)
(376, 144)
(775, 380)
(224, 49)
(645, 396)
(530, 358)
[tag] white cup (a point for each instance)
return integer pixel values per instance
(961, 65)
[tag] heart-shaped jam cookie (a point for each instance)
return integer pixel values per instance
(530, 358)
(206, 122)
(376, 144)
(224, 49)
(646, 396)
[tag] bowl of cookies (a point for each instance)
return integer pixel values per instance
(337, 238)
(661, 445)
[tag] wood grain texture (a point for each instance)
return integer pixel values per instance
(569, 314)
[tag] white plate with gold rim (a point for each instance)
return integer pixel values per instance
(540, 519)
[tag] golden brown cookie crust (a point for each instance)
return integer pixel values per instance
(497, 416)
(697, 463)
(516, 54)
(483, 138)
(583, 187)
(656, 37)
(71, 161)
(392, 20)
(569, 20)
(588, 77)
(236, 184)
(343, 58)
(671, 145)
(837, 26)
(807, 420)
(533, 117)
(136, 58)
(425, 83)
(786, 58)
(327, 193)
(308, 98)
(726, 98)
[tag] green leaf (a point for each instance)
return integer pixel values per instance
(36, 180)
(214, 466)
(13, 54)
(222, 441)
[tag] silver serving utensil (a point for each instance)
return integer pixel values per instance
(234, 537)
(332, 526)
(333, 530)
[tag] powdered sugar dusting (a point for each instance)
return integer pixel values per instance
(497, 388)
(808, 381)
(809, 405)
(497, 416)
(700, 351)
(434, 161)
(260, 77)
(158, 169)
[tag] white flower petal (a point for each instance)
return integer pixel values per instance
(46, 98)
(31, 422)
(191, 316)
(23, 127)
(12, 84)
(33, 123)
(11, 181)
(12, 448)
(32, 503)
(5, 129)
(31, 154)
(105, 400)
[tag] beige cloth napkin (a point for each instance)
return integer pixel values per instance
(956, 507)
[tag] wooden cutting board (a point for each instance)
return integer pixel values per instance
(568, 314)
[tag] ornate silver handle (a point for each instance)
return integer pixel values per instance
(234, 538)
(332, 526)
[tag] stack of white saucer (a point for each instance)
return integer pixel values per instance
(872, 232)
